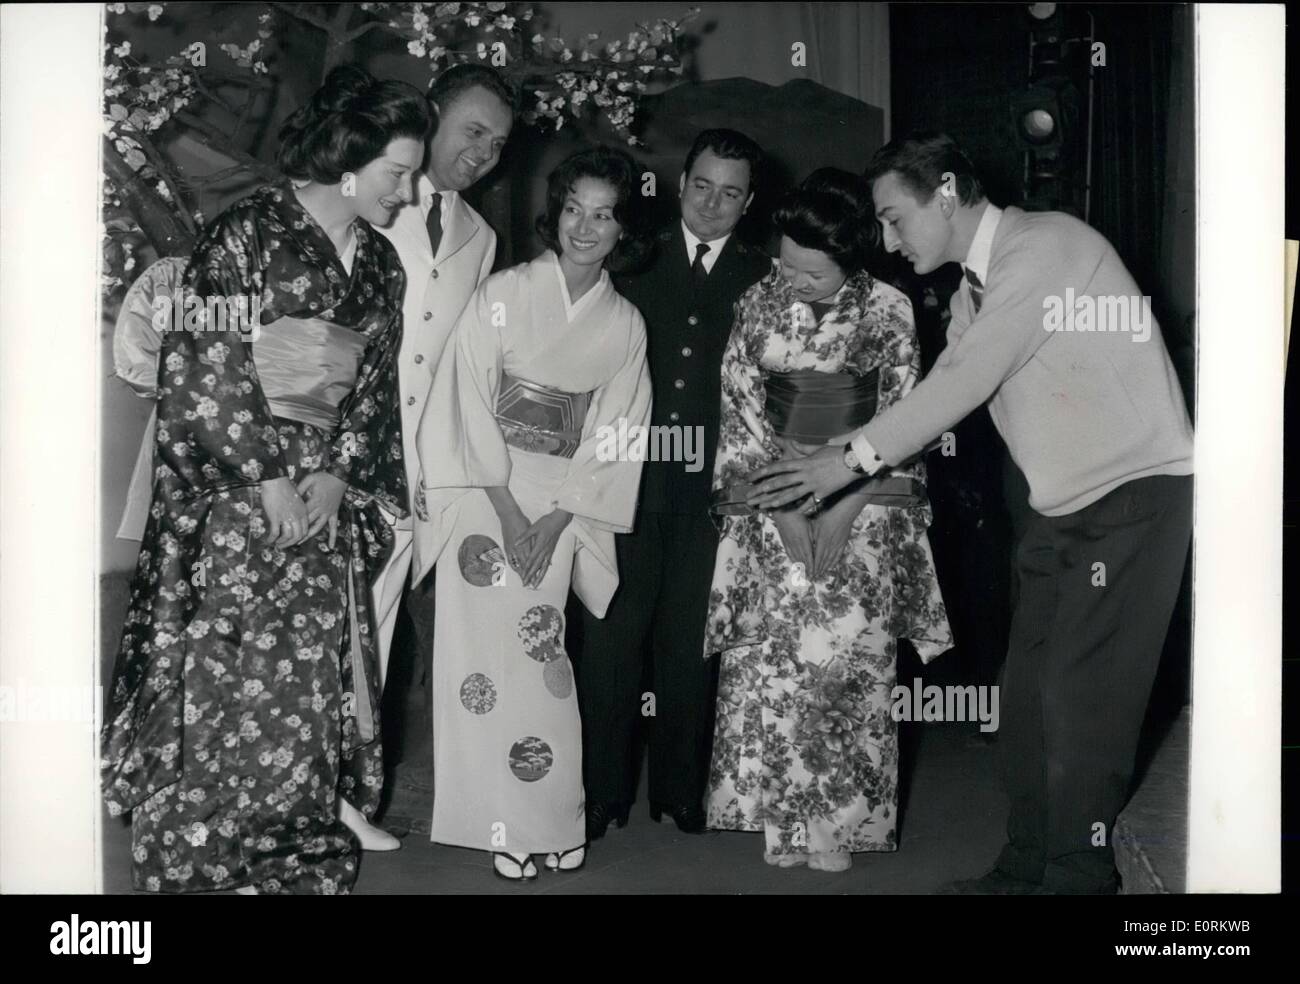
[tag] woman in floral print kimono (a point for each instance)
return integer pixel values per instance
(525, 492)
(805, 612)
(243, 701)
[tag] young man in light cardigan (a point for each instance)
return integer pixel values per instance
(1053, 333)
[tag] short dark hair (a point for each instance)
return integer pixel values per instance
(461, 78)
(830, 212)
(348, 123)
(616, 168)
(921, 160)
(731, 145)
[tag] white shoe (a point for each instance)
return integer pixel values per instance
(246, 890)
(837, 861)
(570, 860)
(372, 838)
(513, 868)
(790, 860)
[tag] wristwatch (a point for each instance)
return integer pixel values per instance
(851, 461)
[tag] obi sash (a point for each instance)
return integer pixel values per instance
(307, 367)
(541, 419)
(814, 407)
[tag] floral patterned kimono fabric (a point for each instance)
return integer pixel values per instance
(805, 747)
(523, 403)
(244, 697)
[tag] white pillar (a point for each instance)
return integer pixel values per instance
(1234, 816)
(49, 411)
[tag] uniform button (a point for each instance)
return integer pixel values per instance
(680, 384)
(410, 401)
(428, 315)
(686, 351)
(674, 416)
(419, 359)
(434, 274)
(692, 321)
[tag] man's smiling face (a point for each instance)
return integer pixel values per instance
(920, 231)
(472, 130)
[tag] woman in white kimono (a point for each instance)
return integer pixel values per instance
(524, 499)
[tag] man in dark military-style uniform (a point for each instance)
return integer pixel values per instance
(687, 297)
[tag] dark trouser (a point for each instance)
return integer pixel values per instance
(407, 703)
(665, 570)
(1085, 644)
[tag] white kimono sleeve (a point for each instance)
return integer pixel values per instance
(146, 312)
(601, 490)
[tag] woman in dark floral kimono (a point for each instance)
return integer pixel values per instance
(243, 701)
(805, 612)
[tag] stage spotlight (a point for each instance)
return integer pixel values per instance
(1046, 124)
(1037, 126)
(1037, 118)
(1048, 116)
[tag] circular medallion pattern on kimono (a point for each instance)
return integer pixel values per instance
(542, 632)
(530, 759)
(558, 678)
(482, 562)
(478, 693)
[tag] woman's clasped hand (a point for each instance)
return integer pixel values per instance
(296, 514)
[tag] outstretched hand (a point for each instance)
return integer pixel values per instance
(814, 477)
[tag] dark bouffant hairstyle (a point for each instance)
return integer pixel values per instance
(349, 122)
(459, 78)
(617, 169)
(921, 159)
(831, 211)
(731, 145)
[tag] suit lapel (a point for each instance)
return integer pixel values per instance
(679, 260)
(461, 228)
(726, 267)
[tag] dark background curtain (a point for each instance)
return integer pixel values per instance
(1144, 155)
(954, 69)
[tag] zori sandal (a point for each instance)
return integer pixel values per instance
(523, 869)
(570, 860)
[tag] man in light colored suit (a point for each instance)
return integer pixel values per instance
(1050, 330)
(447, 250)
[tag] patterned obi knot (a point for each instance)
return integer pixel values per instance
(541, 419)
(813, 407)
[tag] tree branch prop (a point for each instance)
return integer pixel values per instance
(145, 190)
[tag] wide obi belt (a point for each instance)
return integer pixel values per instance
(814, 407)
(541, 419)
(307, 367)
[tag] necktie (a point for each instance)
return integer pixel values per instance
(434, 223)
(698, 273)
(976, 289)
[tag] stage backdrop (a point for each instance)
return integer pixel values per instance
(829, 105)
